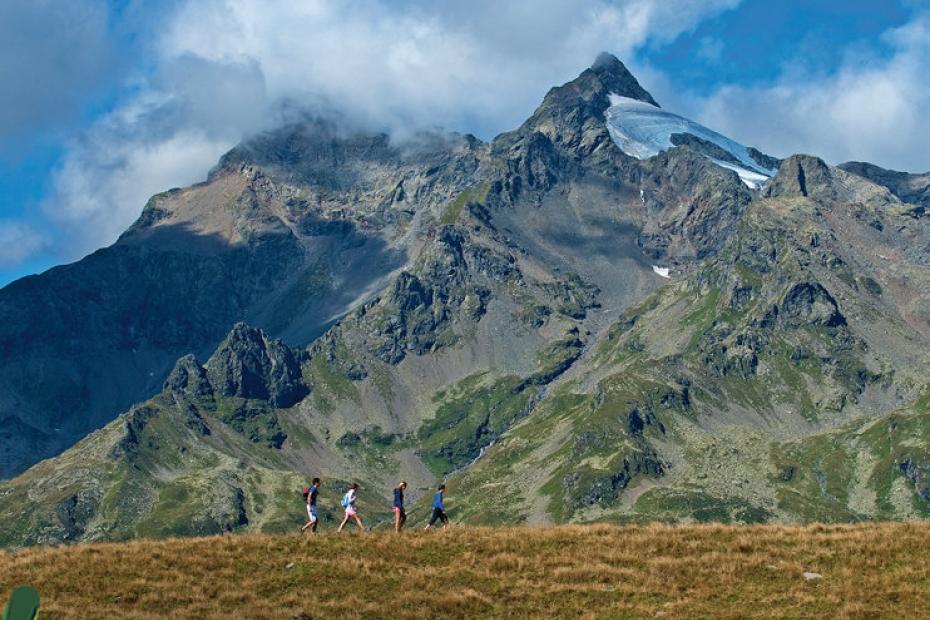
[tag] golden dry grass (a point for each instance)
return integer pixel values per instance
(869, 571)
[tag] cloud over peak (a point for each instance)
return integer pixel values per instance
(223, 69)
(214, 71)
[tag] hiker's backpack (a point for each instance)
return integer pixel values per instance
(306, 493)
(345, 500)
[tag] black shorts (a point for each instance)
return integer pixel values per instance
(438, 515)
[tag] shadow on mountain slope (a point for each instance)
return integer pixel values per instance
(138, 307)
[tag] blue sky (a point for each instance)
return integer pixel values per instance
(750, 45)
(106, 104)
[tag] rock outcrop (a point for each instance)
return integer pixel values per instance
(803, 175)
(249, 365)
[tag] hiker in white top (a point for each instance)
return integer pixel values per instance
(348, 502)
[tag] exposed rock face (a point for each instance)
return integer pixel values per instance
(112, 325)
(189, 377)
(703, 146)
(249, 365)
(811, 303)
(766, 161)
(803, 175)
(567, 111)
(606, 489)
(247, 377)
(287, 233)
(569, 123)
(697, 204)
(810, 177)
(418, 311)
(132, 427)
(910, 188)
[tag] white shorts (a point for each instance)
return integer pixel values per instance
(311, 512)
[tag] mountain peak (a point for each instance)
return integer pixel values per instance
(607, 62)
(572, 114)
(589, 93)
(614, 77)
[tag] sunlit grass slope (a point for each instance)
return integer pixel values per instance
(869, 570)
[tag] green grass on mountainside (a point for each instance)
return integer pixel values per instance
(469, 419)
(818, 479)
(453, 210)
(646, 571)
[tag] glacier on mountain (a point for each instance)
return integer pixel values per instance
(643, 130)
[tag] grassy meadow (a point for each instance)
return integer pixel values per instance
(597, 571)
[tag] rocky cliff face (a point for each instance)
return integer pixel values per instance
(291, 231)
(771, 383)
(249, 365)
(909, 188)
(492, 314)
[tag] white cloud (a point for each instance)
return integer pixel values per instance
(18, 241)
(103, 189)
(477, 61)
(471, 62)
(223, 69)
(874, 108)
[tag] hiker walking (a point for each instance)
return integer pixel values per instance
(310, 494)
(348, 502)
(439, 509)
(400, 515)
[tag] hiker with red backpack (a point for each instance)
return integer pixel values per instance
(348, 502)
(310, 494)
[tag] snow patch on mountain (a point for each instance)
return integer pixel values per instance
(751, 178)
(642, 130)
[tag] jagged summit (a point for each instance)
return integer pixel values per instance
(605, 60)
(590, 90)
(572, 115)
(615, 77)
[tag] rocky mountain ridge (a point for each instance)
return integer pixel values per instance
(492, 314)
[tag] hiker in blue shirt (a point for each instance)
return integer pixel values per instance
(400, 515)
(310, 494)
(439, 509)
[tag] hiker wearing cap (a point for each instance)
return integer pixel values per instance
(400, 515)
(348, 502)
(310, 494)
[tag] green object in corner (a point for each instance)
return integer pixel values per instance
(23, 605)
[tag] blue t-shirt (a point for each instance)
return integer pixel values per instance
(437, 501)
(398, 497)
(311, 497)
